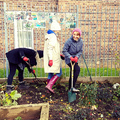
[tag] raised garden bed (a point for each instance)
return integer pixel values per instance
(107, 101)
(26, 112)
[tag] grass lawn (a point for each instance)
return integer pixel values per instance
(83, 72)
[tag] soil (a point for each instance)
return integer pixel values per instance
(60, 109)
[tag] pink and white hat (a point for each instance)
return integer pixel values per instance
(77, 30)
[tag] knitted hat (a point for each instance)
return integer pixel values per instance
(77, 30)
(55, 25)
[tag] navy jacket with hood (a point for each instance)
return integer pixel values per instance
(72, 48)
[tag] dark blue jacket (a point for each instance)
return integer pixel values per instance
(15, 56)
(72, 48)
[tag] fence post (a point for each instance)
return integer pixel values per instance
(6, 39)
(77, 15)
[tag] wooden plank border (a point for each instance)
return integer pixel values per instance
(111, 79)
(25, 111)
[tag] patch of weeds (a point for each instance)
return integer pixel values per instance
(82, 114)
(116, 113)
(105, 94)
(67, 108)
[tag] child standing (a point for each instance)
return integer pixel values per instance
(72, 50)
(52, 56)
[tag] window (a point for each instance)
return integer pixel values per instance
(23, 34)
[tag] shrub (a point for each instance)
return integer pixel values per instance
(88, 94)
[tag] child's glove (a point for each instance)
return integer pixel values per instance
(33, 71)
(50, 63)
(75, 59)
(72, 59)
(25, 59)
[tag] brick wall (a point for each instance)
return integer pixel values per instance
(97, 31)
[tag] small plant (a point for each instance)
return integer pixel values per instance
(115, 98)
(117, 91)
(8, 100)
(88, 93)
(68, 109)
(18, 118)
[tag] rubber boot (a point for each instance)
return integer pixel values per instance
(9, 88)
(51, 83)
(48, 80)
(22, 85)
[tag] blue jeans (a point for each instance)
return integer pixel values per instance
(50, 75)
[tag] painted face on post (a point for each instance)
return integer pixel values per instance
(76, 35)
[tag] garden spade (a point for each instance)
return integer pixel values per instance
(71, 94)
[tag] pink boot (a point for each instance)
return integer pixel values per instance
(51, 83)
(48, 80)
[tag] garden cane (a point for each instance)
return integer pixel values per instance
(71, 94)
(87, 67)
(31, 69)
(33, 73)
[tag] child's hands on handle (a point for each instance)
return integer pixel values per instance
(75, 59)
(72, 59)
(33, 71)
(25, 59)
